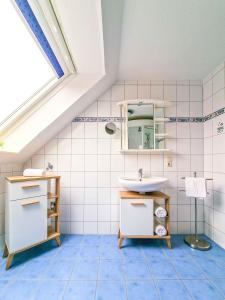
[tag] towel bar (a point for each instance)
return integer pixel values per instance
(205, 179)
(193, 240)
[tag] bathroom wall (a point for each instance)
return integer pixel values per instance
(214, 153)
(90, 163)
(5, 170)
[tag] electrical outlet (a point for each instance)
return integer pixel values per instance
(169, 163)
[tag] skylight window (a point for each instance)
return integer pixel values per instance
(28, 63)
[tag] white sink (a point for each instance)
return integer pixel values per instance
(146, 184)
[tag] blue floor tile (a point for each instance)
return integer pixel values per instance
(132, 252)
(111, 290)
(86, 266)
(149, 251)
(80, 290)
(136, 269)
(19, 290)
(172, 289)
(203, 289)
(89, 252)
(210, 267)
(220, 284)
(34, 269)
(86, 269)
(3, 285)
(111, 252)
(72, 240)
(49, 290)
(110, 270)
(187, 269)
(61, 270)
(161, 268)
(141, 290)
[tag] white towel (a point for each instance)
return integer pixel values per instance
(195, 187)
(33, 172)
(160, 212)
(160, 230)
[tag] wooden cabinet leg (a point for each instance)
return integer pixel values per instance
(120, 241)
(168, 242)
(9, 261)
(58, 242)
(5, 252)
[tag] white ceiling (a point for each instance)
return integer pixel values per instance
(171, 39)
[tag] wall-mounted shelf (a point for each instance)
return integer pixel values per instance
(144, 150)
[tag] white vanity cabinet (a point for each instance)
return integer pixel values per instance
(136, 217)
(27, 210)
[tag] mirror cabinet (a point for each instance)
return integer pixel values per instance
(143, 125)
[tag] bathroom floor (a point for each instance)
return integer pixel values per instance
(92, 267)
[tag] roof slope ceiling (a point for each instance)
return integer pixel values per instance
(174, 39)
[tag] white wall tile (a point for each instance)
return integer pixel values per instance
(77, 213)
(183, 93)
(90, 213)
(157, 91)
(77, 179)
(91, 130)
(183, 109)
(196, 93)
(64, 162)
(77, 162)
(91, 163)
(103, 162)
(64, 146)
(170, 92)
(103, 213)
(77, 196)
(218, 81)
(195, 109)
(77, 146)
(77, 130)
(91, 146)
(90, 179)
(104, 146)
(131, 162)
(91, 196)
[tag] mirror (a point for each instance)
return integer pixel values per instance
(140, 126)
(110, 128)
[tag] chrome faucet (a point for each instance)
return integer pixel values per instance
(140, 174)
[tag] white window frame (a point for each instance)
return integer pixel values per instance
(59, 46)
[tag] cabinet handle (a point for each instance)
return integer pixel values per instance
(30, 186)
(29, 202)
(138, 203)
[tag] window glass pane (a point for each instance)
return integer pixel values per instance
(24, 69)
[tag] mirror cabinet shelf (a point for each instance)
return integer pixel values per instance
(143, 125)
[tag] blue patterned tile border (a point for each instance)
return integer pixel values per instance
(187, 119)
(97, 119)
(215, 114)
(171, 119)
(119, 119)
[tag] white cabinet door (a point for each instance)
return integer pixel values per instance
(27, 222)
(136, 216)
